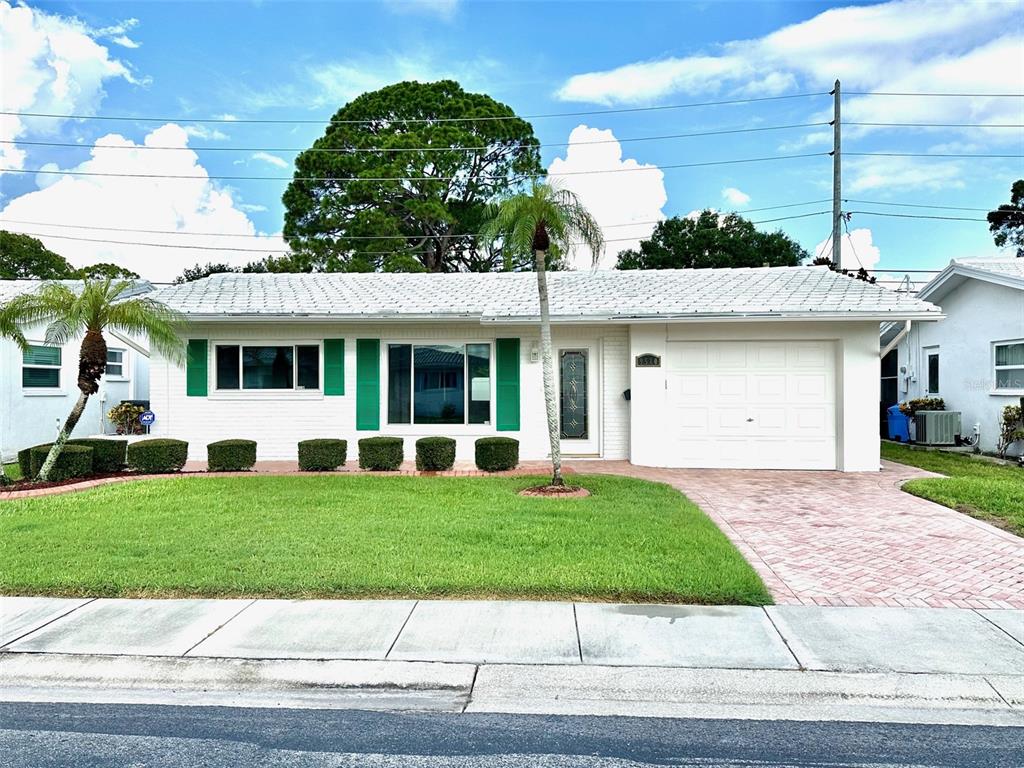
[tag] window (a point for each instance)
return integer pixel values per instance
(1009, 365)
(439, 383)
(933, 373)
(573, 394)
(115, 363)
(268, 367)
(40, 367)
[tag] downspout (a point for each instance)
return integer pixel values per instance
(896, 340)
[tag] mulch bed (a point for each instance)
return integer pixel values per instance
(556, 492)
(32, 485)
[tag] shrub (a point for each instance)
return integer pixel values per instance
(107, 455)
(25, 462)
(380, 453)
(497, 454)
(923, 404)
(1011, 429)
(435, 454)
(74, 461)
(230, 455)
(126, 417)
(158, 455)
(322, 454)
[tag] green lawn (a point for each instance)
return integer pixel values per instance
(982, 489)
(348, 536)
(13, 471)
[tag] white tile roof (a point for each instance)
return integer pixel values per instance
(11, 288)
(580, 295)
(1011, 267)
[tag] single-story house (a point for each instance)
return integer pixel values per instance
(39, 387)
(755, 368)
(974, 359)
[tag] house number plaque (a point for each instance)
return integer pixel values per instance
(648, 361)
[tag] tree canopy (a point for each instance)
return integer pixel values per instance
(1006, 223)
(106, 269)
(426, 176)
(712, 239)
(25, 257)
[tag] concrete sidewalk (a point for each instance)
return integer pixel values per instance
(956, 664)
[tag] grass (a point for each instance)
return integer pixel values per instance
(351, 536)
(13, 471)
(979, 488)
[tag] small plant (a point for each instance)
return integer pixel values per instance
(125, 416)
(108, 456)
(435, 454)
(497, 454)
(231, 456)
(911, 407)
(380, 453)
(322, 454)
(157, 456)
(1011, 429)
(74, 461)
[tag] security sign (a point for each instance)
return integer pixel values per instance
(146, 418)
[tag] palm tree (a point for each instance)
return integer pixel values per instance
(533, 222)
(99, 305)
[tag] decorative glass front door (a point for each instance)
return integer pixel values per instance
(572, 365)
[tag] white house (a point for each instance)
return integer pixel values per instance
(39, 387)
(761, 368)
(974, 359)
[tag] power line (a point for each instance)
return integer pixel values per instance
(392, 118)
(937, 125)
(929, 154)
(937, 94)
(352, 150)
(915, 216)
(348, 179)
(916, 205)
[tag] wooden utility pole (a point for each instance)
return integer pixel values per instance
(837, 180)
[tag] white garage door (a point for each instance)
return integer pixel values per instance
(751, 405)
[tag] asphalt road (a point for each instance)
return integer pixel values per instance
(112, 736)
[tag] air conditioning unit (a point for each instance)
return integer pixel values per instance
(937, 427)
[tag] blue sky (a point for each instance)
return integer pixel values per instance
(187, 61)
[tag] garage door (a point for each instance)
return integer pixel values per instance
(751, 405)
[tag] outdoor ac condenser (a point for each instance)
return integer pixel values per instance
(937, 427)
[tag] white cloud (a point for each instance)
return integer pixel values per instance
(612, 198)
(274, 160)
(444, 9)
(251, 207)
(50, 64)
(898, 173)
(177, 205)
(856, 250)
(734, 196)
(205, 132)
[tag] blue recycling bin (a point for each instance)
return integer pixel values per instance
(899, 424)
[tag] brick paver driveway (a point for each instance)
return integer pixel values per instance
(831, 538)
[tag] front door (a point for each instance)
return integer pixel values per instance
(577, 401)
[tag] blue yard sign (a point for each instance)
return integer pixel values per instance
(146, 418)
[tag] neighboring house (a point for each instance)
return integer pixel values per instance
(760, 368)
(38, 387)
(974, 359)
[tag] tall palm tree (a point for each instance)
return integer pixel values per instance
(533, 222)
(99, 305)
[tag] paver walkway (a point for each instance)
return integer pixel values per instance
(854, 539)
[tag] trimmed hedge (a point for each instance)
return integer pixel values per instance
(497, 454)
(74, 461)
(108, 456)
(322, 454)
(157, 455)
(435, 454)
(380, 453)
(25, 462)
(230, 456)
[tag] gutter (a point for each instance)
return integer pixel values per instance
(896, 340)
(131, 343)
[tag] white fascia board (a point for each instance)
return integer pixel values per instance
(939, 286)
(732, 317)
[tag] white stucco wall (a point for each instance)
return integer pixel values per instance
(278, 420)
(856, 382)
(977, 314)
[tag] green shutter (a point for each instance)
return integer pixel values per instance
(334, 366)
(367, 384)
(195, 368)
(506, 369)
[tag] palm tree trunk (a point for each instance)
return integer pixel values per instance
(547, 364)
(62, 437)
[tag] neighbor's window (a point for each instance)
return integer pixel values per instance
(115, 363)
(1009, 365)
(439, 383)
(268, 367)
(933, 373)
(40, 367)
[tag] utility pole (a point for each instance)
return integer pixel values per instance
(837, 180)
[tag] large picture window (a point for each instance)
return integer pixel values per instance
(294, 367)
(40, 367)
(439, 383)
(1009, 366)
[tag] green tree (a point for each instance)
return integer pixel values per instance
(712, 240)
(427, 173)
(529, 226)
(199, 271)
(106, 269)
(88, 312)
(22, 256)
(1006, 223)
